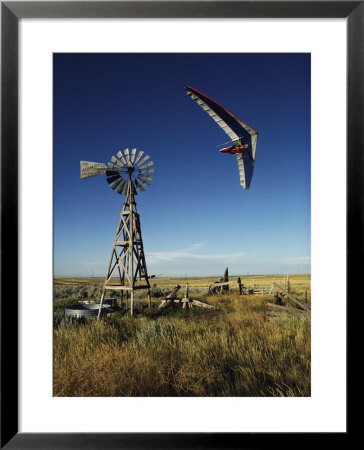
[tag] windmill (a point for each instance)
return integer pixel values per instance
(126, 173)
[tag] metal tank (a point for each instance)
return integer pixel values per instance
(87, 311)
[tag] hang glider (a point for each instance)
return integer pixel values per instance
(243, 137)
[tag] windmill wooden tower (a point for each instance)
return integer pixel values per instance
(127, 269)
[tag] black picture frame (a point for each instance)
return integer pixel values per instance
(11, 12)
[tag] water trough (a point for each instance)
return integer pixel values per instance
(87, 310)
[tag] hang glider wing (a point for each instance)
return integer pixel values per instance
(246, 167)
(237, 130)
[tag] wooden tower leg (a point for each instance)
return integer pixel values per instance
(101, 302)
(131, 303)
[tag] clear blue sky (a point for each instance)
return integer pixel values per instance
(196, 219)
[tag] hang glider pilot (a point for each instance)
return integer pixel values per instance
(237, 147)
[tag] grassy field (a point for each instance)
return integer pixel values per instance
(233, 350)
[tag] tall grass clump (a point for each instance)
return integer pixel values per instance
(231, 351)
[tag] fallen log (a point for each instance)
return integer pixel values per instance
(279, 310)
(173, 294)
(169, 299)
(202, 304)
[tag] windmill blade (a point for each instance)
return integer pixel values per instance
(112, 170)
(140, 154)
(148, 170)
(116, 161)
(143, 182)
(121, 157)
(119, 176)
(139, 186)
(147, 177)
(116, 183)
(133, 152)
(91, 169)
(113, 178)
(143, 160)
(150, 163)
(121, 186)
(112, 167)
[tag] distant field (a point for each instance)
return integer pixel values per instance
(299, 283)
(249, 280)
(234, 350)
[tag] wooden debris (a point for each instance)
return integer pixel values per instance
(173, 294)
(285, 294)
(279, 311)
(226, 280)
(221, 285)
(213, 290)
(258, 291)
(240, 286)
(186, 291)
(169, 299)
(186, 301)
(202, 304)
(277, 300)
(287, 284)
(218, 284)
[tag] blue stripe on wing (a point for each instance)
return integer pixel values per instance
(248, 167)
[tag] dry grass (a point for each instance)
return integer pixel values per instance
(231, 351)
